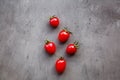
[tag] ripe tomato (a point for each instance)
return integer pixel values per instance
(72, 48)
(64, 35)
(60, 65)
(50, 47)
(54, 21)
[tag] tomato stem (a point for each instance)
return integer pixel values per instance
(61, 58)
(66, 30)
(76, 43)
(51, 17)
(47, 41)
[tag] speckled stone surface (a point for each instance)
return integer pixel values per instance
(24, 27)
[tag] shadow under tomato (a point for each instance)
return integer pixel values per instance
(56, 73)
(61, 43)
(67, 55)
(47, 54)
(51, 27)
(70, 55)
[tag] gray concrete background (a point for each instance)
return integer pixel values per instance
(24, 27)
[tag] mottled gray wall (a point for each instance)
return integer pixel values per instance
(24, 27)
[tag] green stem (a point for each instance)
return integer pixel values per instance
(61, 58)
(66, 29)
(51, 17)
(76, 43)
(47, 41)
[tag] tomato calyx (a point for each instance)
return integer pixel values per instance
(76, 44)
(61, 58)
(47, 41)
(52, 17)
(66, 30)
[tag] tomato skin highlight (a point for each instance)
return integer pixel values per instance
(50, 48)
(71, 49)
(63, 36)
(60, 65)
(54, 21)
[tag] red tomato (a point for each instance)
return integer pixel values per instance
(64, 35)
(60, 65)
(50, 47)
(54, 21)
(72, 48)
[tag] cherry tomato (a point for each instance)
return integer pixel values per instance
(54, 21)
(60, 65)
(72, 48)
(50, 47)
(64, 35)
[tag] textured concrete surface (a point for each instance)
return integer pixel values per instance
(24, 27)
